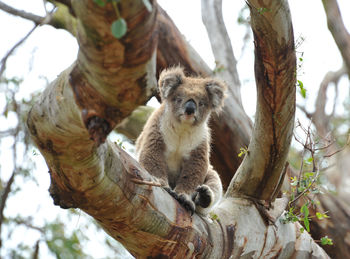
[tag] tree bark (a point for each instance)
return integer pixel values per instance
(260, 175)
(125, 68)
(108, 80)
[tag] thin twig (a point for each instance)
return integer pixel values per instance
(29, 16)
(43, 20)
(9, 53)
(307, 140)
(332, 154)
(7, 190)
(138, 181)
(29, 225)
(308, 188)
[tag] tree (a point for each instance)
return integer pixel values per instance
(109, 79)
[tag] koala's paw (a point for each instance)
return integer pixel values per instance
(186, 202)
(203, 196)
(171, 192)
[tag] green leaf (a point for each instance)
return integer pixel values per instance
(309, 160)
(213, 216)
(148, 5)
(302, 230)
(100, 3)
(244, 150)
(119, 28)
(326, 240)
(304, 209)
(302, 89)
(301, 85)
(308, 175)
(321, 215)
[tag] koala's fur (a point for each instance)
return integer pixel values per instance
(174, 146)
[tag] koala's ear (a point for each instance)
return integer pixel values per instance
(217, 92)
(169, 80)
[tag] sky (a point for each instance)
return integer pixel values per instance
(49, 51)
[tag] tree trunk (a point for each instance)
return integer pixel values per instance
(110, 78)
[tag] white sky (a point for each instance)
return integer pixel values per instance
(54, 50)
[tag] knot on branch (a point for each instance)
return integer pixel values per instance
(98, 127)
(61, 196)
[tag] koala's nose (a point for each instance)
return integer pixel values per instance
(190, 107)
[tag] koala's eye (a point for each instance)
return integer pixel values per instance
(176, 99)
(201, 103)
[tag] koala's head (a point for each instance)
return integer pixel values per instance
(190, 99)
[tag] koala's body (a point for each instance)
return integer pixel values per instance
(174, 145)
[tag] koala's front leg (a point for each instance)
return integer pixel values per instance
(208, 193)
(193, 173)
(151, 157)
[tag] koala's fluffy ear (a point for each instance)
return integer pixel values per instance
(169, 80)
(217, 92)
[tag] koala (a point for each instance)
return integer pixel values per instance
(174, 145)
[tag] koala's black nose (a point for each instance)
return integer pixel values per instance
(190, 107)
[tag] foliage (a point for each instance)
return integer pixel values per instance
(326, 241)
(305, 186)
(301, 89)
(243, 151)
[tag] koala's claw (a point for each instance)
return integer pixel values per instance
(187, 203)
(172, 192)
(202, 196)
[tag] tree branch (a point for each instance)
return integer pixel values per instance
(337, 28)
(320, 119)
(29, 16)
(127, 73)
(4, 196)
(60, 18)
(221, 46)
(275, 66)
